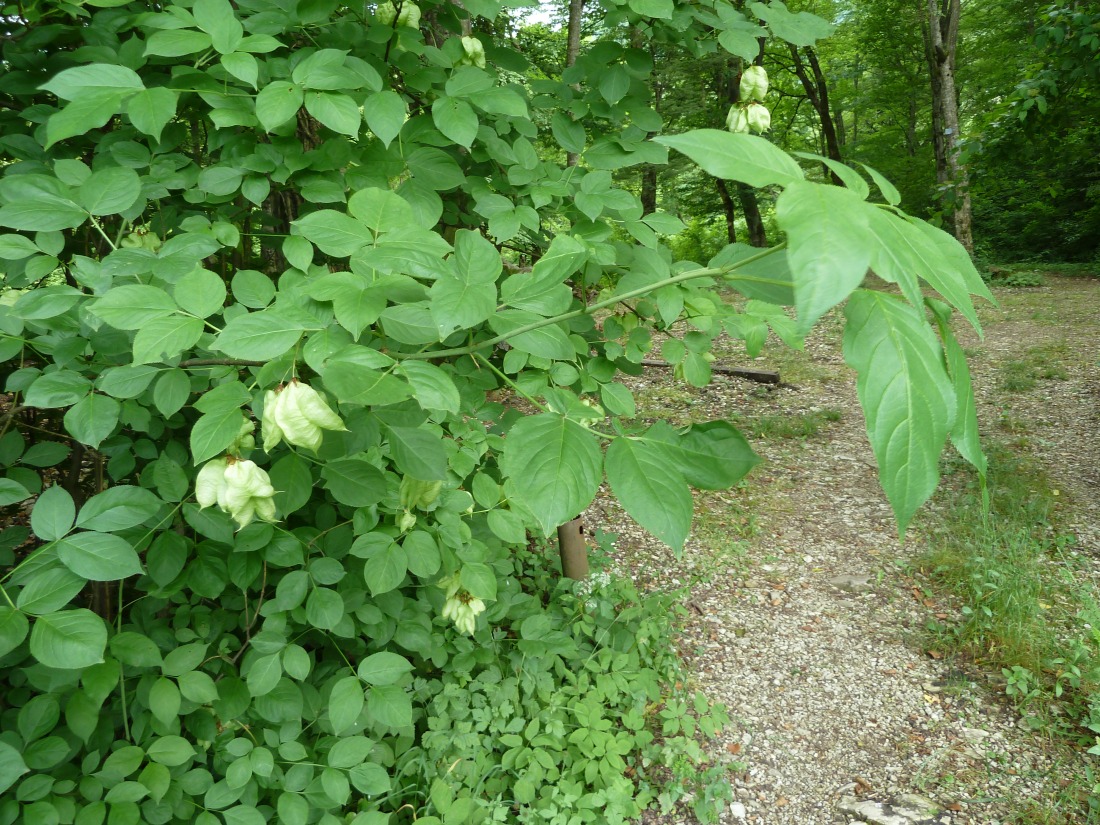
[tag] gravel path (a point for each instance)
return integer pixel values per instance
(807, 625)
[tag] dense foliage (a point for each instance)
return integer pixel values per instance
(307, 324)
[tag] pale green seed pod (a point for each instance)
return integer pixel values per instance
(738, 119)
(760, 119)
(385, 14)
(409, 16)
(474, 52)
(209, 482)
(754, 83)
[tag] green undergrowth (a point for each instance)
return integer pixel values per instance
(1027, 610)
(1045, 362)
(787, 425)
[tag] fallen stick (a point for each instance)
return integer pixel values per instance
(759, 376)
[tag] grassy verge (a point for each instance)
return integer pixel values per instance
(1027, 611)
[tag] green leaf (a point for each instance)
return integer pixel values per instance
(555, 467)
(42, 212)
(345, 703)
(164, 700)
(135, 649)
(386, 568)
(710, 456)
(456, 119)
(355, 384)
(90, 111)
(293, 482)
(53, 514)
(177, 42)
(218, 19)
(129, 381)
(324, 608)
(384, 668)
(390, 705)
(13, 629)
(385, 113)
(827, 250)
(16, 247)
(118, 508)
(500, 101)
(200, 292)
(50, 590)
(847, 175)
(277, 103)
(258, 336)
(151, 110)
(478, 579)
(72, 83)
(171, 392)
(435, 169)
(214, 432)
(69, 639)
(12, 766)
(171, 751)
(431, 386)
(162, 339)
(568, 133)
(382, 210)
(951, 271)
(133, 306)
(888, 190)
(653, 8)
(545, 341)
(264, 674)
(12, 491)
(746, 158)
(92, 419)
(461, 304)
(801, 29)
(651, 490)
(336, 111)
(418, 452)
(57, 389)
(964, 434)
(354, 482)
(110, 191)
(242, 66)
(906, 395)
(99, 557)
(334, 233)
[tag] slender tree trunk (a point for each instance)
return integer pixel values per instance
(817, 91)
(751, 209)
(572, 51)
(943, 36)
(728, 209)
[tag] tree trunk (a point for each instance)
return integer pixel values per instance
(817, 91)
(728, 209)
(942, 45)
(573, 550)
(755, 223)
(572, 51)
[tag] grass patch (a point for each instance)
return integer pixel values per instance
(1039, 363)
(1026, 609)
(795, 425)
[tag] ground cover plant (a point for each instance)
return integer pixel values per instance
(280, 279)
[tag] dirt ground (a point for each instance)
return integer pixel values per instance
(807, 621)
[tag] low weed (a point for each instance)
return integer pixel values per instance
(793, 425)
(1045, 362)
(1026, 610)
